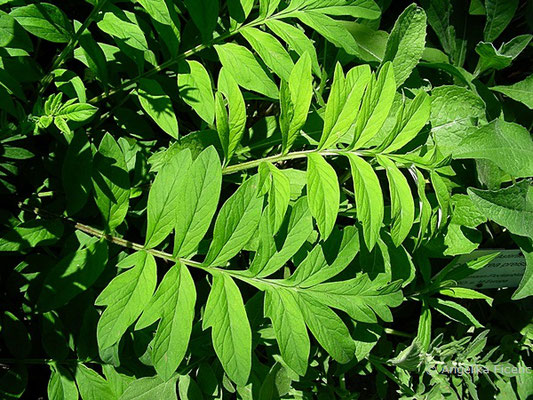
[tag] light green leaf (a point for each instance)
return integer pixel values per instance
(79, 112)
(30, 234)
(158, 106)
(296, 39)
(239, 11)
(402, 203)
(506, 144)
(521, 91)
(327, 328)
(410, 122)
(44, 20)
(329, 28)
(323, 193)
(368, 199)
(230, 125)
(511, 207)
(282, 307)
(426, 209)
(499, 14)
(125, 297)
(327, 259)
(343, 103)
(299, 228)
(295, 99)
(361, 298)
(61, 385)
(91, 385)
(116, 24)
(367, 9)
(465, 293)
(270, 50)
(164, 198)
(245, 69)
(149, 388)
(278, 196)
(406, 42)
(197, 202)
(173, 303)
(267, 7)
(196, 89)
(111, 182)
(236, 223)
(453, 110)
(377, 102)
(231, 333)
(72, 275)
(454, 311)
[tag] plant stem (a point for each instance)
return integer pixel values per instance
(283, 157)
(47, 79)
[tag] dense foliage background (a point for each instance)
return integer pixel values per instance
(264, 199)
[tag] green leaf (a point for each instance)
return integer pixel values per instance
(173, 303)
(197, 202)
(323, 193)
(499, 15)
(158, 106)
(368, 199)
(361, 298)
(267, 7)
(236, 223)
(61, 385)
(465, 293)
(410, 121)
(196, 89)
(79, 112)
(282, 307)
(151, 388)
(521, 91)
(91, 385)
(438, 15)
(296, 39)
(116, 24)
(71, 276)
(345, 97)
(454, 311)
(125, 297)
(327, 259)
(299, 228)
(406, 42)
(506, 144)
(525, 288)
(230, 126)
(377, 102)
(111, 182)
(204, 14)
(327, 328)
(278, 196)
(188, 389)
(511, 207)
(295, 99)
(270, 50)
(453, 110)
(245, 69)
(402, 203)
(44, 20)
(15, 335)
(231, 333)
(30, 234)
(164, 199)
(329, 28)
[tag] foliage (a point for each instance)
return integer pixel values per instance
(264, 199)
